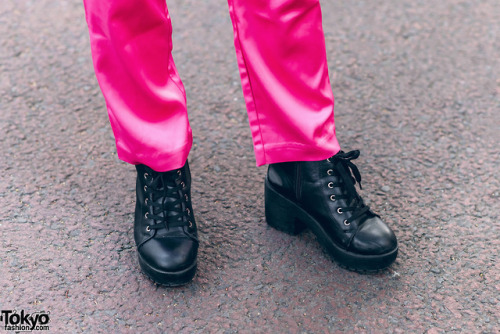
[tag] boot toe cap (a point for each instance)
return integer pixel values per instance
(169, 254)
(374, 237)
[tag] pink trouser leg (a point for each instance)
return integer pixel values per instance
(281, 54)
(282, 60)
(131, 50)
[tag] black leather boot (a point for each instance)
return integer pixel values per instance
(321, 195)
(165, 229)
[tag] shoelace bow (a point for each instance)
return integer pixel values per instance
(349, 175)
(165, 213)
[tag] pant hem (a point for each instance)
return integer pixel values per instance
(287, 152)
(159, 161)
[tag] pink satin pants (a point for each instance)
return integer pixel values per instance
(281, 56)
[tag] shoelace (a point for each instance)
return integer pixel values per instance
(348, 175)
(162, 187)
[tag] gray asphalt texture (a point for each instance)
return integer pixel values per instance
(417, 87)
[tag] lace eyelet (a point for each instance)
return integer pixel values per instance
(332, 198)
(146, 201)
(179, 172)
(183, 184)
(146, 215)
(188, 211)
(330, 185)
(346, 223)
(186, 197)
(148, 229)
(190, 224)
(146, 176)
(145, 188)
(339, 211)
(328, 160)
(329, 172)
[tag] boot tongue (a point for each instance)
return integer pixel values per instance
(172, 195)
(348, 179)
(350, 175)
(167, 193)
(345, 173)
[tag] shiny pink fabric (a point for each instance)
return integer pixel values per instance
(281, 56)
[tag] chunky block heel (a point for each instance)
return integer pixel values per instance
(281, 214)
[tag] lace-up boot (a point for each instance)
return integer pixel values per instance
(165, 228)
(321, 195)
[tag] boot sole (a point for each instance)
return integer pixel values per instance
(285, 215)
(168, 278)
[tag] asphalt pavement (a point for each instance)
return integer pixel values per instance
(417, 89)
